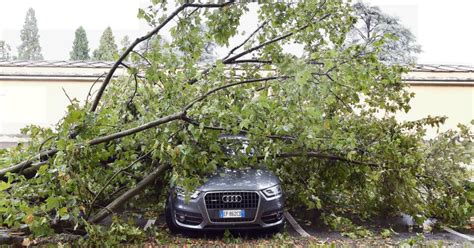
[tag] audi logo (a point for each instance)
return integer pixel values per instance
(231, 198)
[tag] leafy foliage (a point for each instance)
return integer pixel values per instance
(107, 50)
(323, 122)
(80, 47)
(30, 48)
(119, 232)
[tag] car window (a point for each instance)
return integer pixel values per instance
(237, 147)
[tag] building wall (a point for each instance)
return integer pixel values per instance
(34, 95)
(41, 103)
(31, 92)
(455, 102)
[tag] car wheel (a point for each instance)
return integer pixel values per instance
(170, 222)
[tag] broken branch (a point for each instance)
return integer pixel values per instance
(122, 199)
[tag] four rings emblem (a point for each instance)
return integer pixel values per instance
(232, 198)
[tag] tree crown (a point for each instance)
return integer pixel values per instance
(399, 45)
(30, 48)
(107, 50)
(80, 46)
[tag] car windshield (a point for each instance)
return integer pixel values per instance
(234, 145)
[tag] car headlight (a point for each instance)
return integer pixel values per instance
(272, 191)
(180, 192)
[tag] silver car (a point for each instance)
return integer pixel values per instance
(230, 199)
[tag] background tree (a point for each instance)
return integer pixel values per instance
(80, 46)
(30, 48)
(372, 24)
(5, 50)
(125, 43)
(209, 51)
(107, 50)
(336, 154)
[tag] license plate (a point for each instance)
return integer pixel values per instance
(232, 213)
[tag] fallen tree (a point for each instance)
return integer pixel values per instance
(323, 120)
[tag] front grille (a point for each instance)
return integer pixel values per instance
(215, 203)
(214, 200)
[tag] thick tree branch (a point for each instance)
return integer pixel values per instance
(124, 55)
(110, 179)
(135, 130)
(31, 171)
(122, 199)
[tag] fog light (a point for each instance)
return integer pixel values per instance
(180, 217)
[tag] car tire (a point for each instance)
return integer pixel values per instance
(170, 222)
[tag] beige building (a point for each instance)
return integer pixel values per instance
(34, 92)
(441, 90)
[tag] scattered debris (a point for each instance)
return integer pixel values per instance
(149, 224)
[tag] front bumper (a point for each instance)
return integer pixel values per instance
(194, 214)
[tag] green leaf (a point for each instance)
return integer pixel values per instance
(4, 185)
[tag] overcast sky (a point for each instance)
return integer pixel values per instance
(443, 28)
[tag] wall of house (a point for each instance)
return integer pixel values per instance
(35, 95)
(37, 102)
(31, 94)
(455, 102)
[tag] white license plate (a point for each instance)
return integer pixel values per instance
(232, 213)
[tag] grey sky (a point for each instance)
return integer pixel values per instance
(443, 28)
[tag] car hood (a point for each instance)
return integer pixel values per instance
(242, 179)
